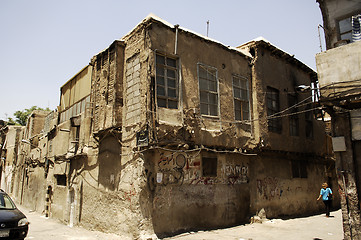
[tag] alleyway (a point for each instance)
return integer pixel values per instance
(314, 227)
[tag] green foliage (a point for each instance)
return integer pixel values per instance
(10, 121)
(21, 117)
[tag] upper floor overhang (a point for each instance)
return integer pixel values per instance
(339, 73)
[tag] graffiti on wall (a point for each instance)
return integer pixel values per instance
(269, 188)
(182, 168)
(171, 169)
(235, 174)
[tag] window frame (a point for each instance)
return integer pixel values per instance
(208, 92)
(293, 120)
(209, 162)
(166, 79)
(239, 99)
(345, 17)
(309, 122)
(274, 124)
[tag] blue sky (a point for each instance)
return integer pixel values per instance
(45, 42)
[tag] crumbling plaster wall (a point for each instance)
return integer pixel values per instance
(276, 72)
(9, 166)
(280, 194)
(188, 124)
(34, 189)
(185, 199)
(107, 91)
(117, 203)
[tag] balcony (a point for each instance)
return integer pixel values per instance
(339, 73)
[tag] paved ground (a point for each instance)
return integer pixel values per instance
(314, 227)
(41, 228)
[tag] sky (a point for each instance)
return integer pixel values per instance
(44, 43)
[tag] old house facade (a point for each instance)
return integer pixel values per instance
(339, 79)
(167, 131)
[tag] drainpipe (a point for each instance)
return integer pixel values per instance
(176, 39)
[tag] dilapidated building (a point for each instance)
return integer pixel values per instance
(340, 78)
(167, 131)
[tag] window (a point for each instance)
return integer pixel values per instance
(208, 89)
(6, 202)
(273, 108)
(166, 81)
(299, 169)
(60, 179)
(293, 119)
(241, 98)
(309, 122)
(209, 166)
(349, 28)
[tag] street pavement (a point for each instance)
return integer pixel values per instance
(42, 228)
(313, 227)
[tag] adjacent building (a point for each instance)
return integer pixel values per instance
(168, 131)
(339, 79)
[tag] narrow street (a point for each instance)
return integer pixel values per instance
(314, 227)
(41, 228)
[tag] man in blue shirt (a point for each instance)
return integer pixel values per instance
(326, 194)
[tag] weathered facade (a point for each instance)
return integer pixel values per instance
(167, 131)
(9, 155)
(290, 137)
(339, 80)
